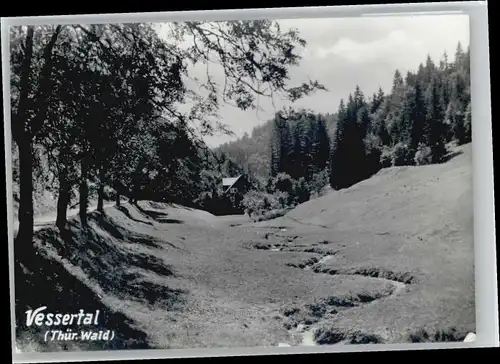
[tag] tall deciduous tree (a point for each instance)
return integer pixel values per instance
(123, 78)
(32, 67)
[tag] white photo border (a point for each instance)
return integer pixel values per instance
(487, 327)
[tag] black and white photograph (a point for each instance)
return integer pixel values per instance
(242, 183)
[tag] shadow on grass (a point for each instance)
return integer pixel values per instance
(126, 212)
(41, 281)
(118, 269)
(372, 272)
(119, 232)
(443, 335)
(158, 216)
(151, 213)
(170, 221)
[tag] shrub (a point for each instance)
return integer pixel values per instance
(401, 155)
(301, 191)
(204, 200)
(423, 155)
(373, 153)
(281, 183)
(258, 203)
(386, 158)
(273, 214)
(318, 182)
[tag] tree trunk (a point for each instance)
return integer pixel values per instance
(24, 236)
(100, 193)
(19, 120)
(84, 192)
(62, 202)
(26, 220)
(24, 137)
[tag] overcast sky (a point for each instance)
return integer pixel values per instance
(344, 52)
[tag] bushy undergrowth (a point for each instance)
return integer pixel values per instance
(402, 155)
(423, 155)
(281, 194)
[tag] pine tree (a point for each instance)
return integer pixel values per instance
(350, 108)
(275, 149)
(395, 105)
(383, 133)
(410, 79)
(459, 53)
(321, 144)
(419, 117)
(359, 98)
(455, 118)
(397, 82)
(445, 62)
(281, 147)
(407, 117)
(459, 97)
(421, 73)
(338, 147)
(302, 145)
(375, 104)
(446, 91)
(468, 124)
(466, 71)
(434, 127)
(379, 117)
(349, 157)
(378, 100)
(380, 95)
(363, 121)
(286, 146)
(430, 70)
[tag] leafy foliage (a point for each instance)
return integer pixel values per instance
(105, 104)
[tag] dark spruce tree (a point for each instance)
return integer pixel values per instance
(348, 162)
(418, 116)
(321, 145)
(435, 128)
(282, 146)
(338, 148)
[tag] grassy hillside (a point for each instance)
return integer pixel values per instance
(409, 222)
(387, 260)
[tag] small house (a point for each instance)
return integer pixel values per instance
(235, 185)
(234, 189)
